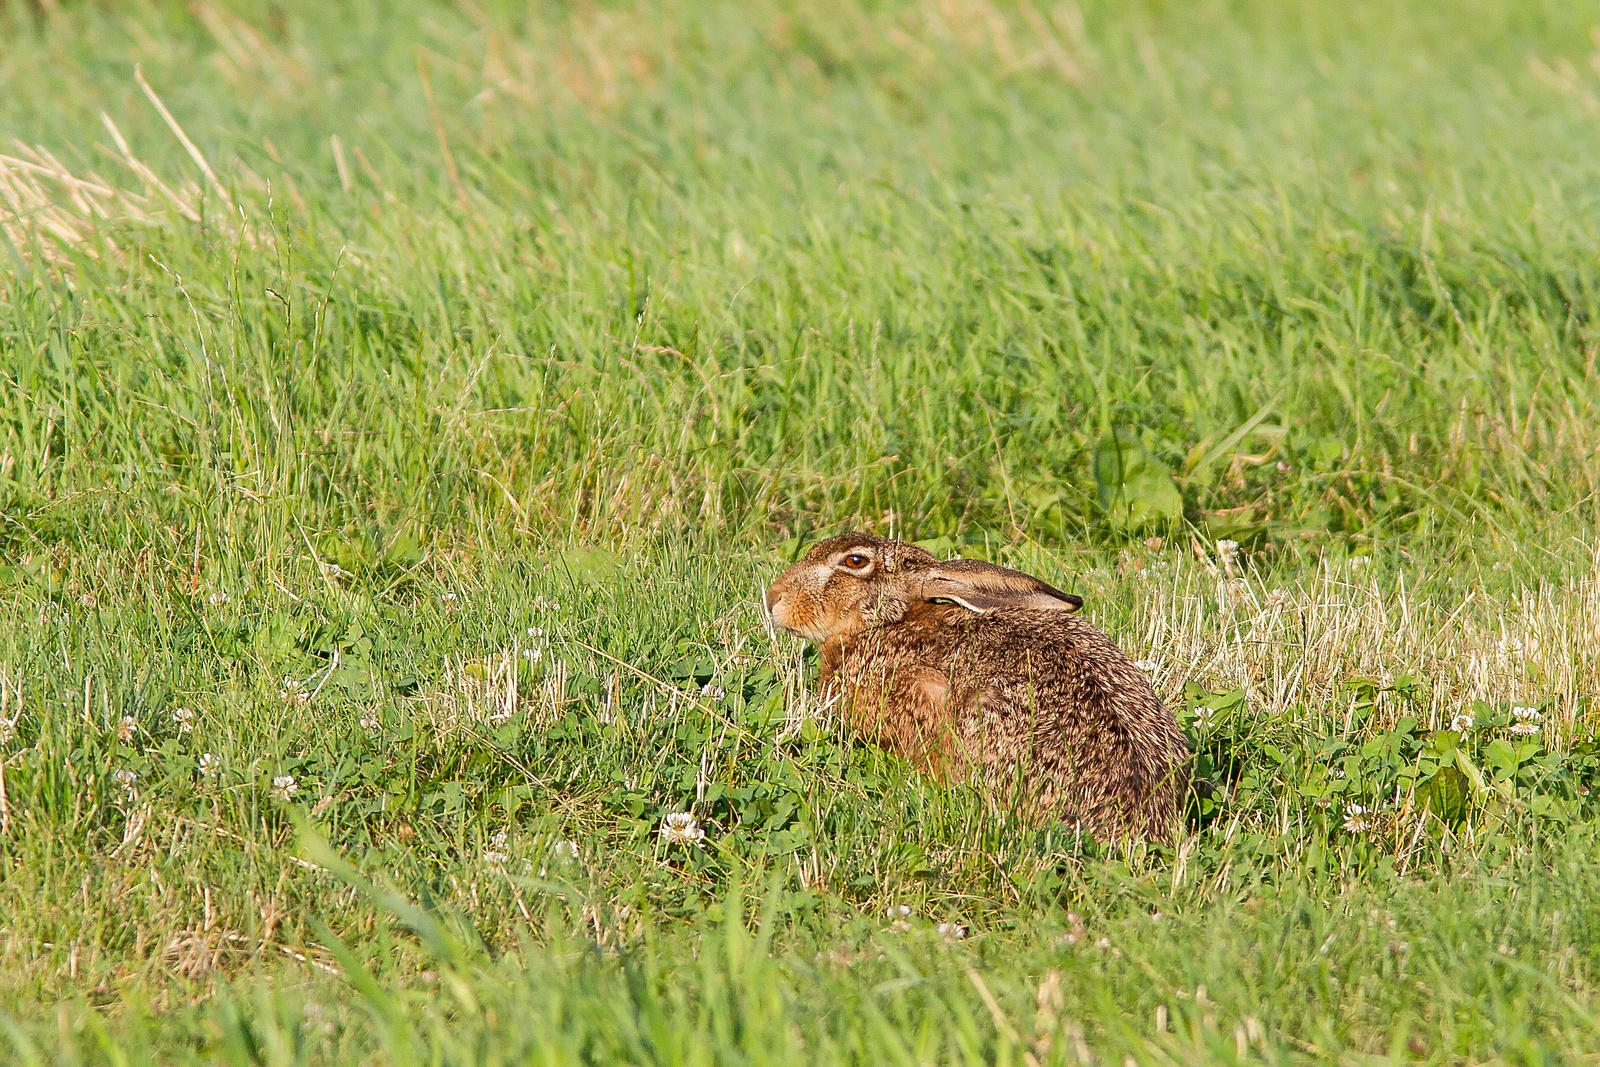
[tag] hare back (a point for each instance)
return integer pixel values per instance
(1042, 705)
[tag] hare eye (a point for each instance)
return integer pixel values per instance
(855, 561)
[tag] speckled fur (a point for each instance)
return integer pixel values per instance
(1046, 711)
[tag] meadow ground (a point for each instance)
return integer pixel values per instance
(401, 407)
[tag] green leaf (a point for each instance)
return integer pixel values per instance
(588, 565)
(1503, 758)
(1446, 795)
(1135, 488)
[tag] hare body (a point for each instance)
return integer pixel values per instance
(966, 668)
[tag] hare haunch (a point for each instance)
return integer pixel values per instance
(962, 665)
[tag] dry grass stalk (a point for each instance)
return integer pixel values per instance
(488, 692)
(1292, 650)
(50, 213)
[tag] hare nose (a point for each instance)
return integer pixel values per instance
(769, 600)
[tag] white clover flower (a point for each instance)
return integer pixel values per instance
(495, 854)
(1528, 720)
(533, 654)
(449, 602)
(1355, 818)
(1103, 943)
(210, 764)
(1461, 723)
(371, 724)
(1360, 561)
(681, 828)
(1204, 715)
(954, 931)
(184, 720)
(127, 728)
(535, 633)
(1511, 646)
(897, 911)
(1228, 551)
(293, 693)
(127, 780)
(567, 850)
(715, 692)
(217, 599)
(1277, 598)
(1146, 664)
(284, 787)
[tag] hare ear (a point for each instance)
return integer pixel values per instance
(984, 587)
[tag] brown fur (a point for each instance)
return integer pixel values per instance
(963, 666)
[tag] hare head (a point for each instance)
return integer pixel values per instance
(855, 582)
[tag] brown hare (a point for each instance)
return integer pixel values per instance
(964, 666)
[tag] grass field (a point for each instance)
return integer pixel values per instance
(401, 409)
